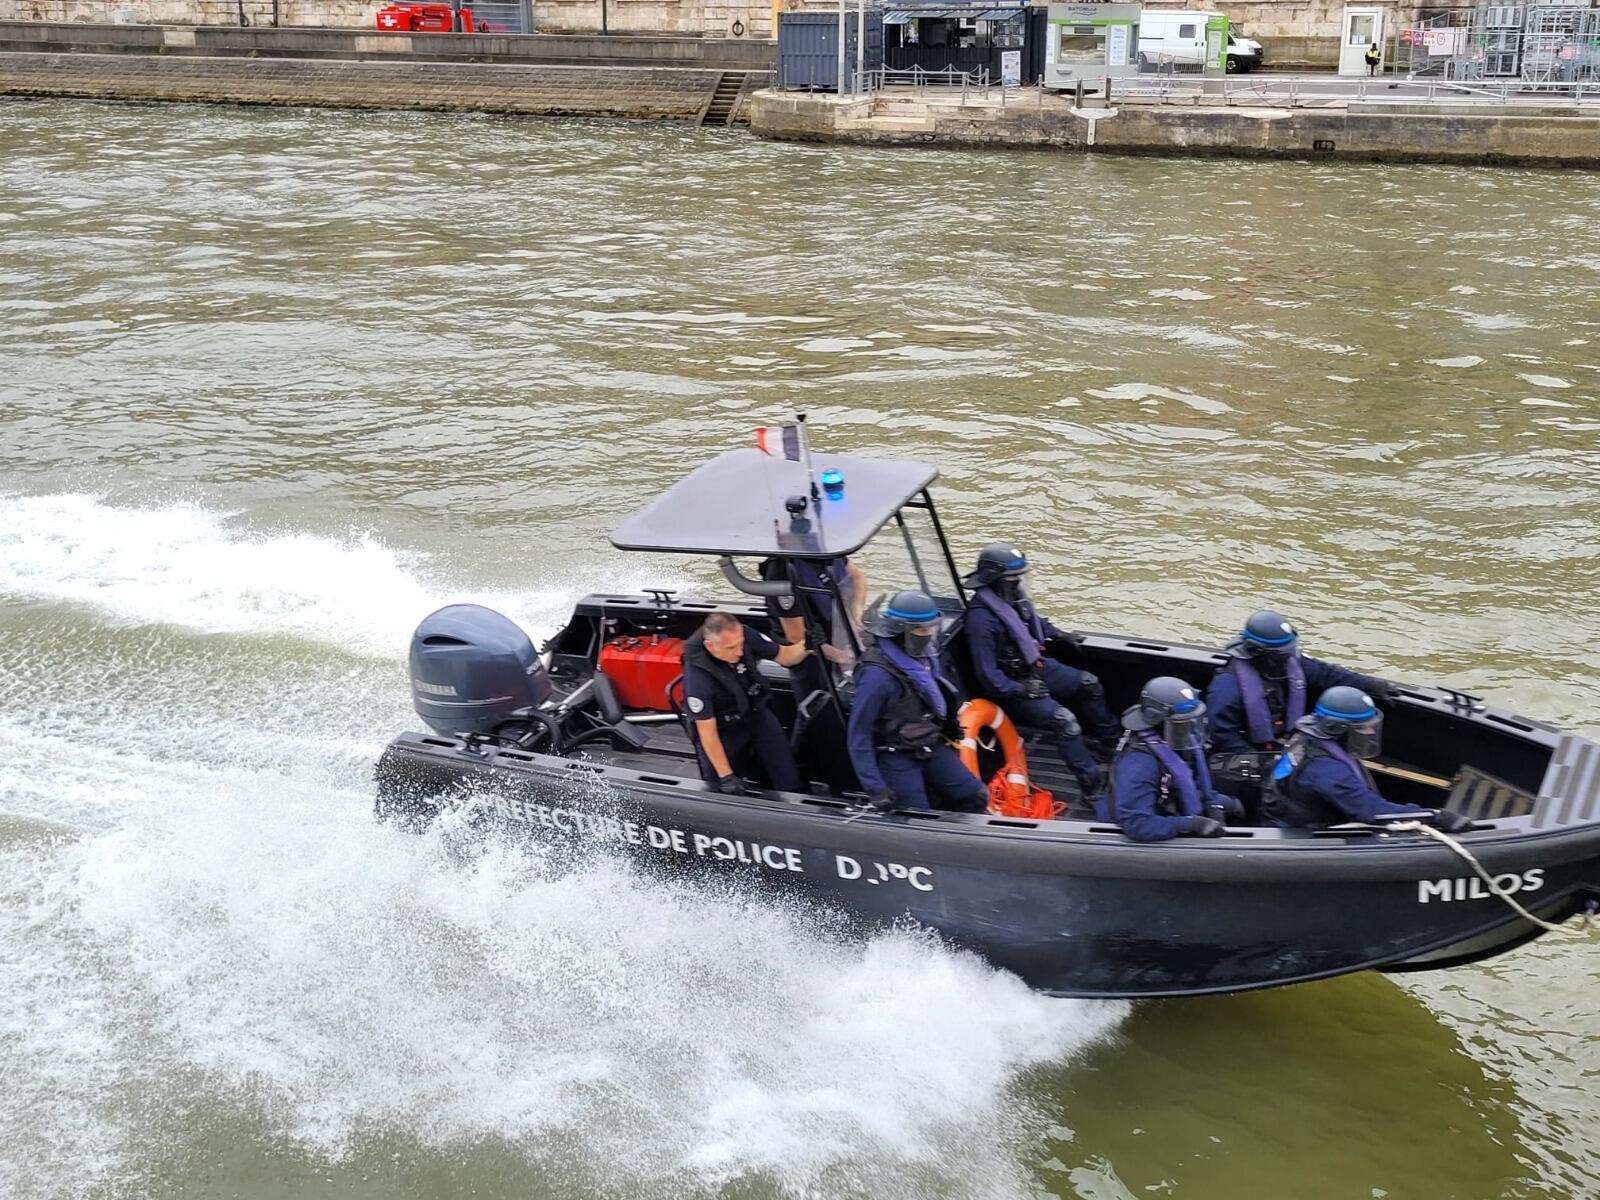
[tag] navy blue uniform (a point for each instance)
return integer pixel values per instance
(1325, 788)
(815, 606)
(735, 695)
(1226, 719)
(1146, 801)
(924, 775)
(993, 649)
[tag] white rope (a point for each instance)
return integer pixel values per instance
(1439, 835)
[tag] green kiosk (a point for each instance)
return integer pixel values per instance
(1090, 43)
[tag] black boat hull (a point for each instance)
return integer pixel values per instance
(1072, 908)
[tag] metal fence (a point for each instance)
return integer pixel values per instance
(501, 16)
(1312, 92)
(1551, 44)
(919, 79)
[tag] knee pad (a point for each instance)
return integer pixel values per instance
(1064, 724)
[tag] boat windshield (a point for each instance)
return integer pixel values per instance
(910, 552)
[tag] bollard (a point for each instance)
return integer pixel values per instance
(1078, 103)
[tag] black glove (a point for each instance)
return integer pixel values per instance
(1382, 691)
(1450, 822)
(731, 785)
(951, 729)
(1091, 780)
(879, 801)
(1205, 827)
(1227, 809)
(1065, 641)
(1034, 689)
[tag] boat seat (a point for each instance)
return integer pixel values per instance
(1482, 797)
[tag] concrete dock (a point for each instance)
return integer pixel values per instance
(1405, 128)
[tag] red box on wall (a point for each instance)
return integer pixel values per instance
(640, 668)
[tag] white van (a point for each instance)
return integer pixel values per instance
(1178, 36)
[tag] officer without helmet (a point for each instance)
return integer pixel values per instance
(737, 734)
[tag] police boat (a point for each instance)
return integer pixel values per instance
(588, 745)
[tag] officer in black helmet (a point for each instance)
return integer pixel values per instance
(1160, 785)
(1321, 778)
(1008, 640)
(903, 713)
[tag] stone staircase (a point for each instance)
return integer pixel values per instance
(927, 112)
(725, 99)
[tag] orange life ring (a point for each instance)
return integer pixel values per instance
(1010, 792)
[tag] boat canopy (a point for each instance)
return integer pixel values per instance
(737, 505)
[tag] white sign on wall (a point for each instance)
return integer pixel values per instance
(1011, 68)
(1117, 46)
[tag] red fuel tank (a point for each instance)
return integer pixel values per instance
(640, 668)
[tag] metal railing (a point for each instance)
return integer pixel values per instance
(919, 80)
(1299, 92)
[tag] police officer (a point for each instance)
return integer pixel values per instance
(1321, 779)
(1256, 700)
(903, 713)
(1160, 786)
(1373, 57)
(806, 615)
(1008, 638)
(736, 732)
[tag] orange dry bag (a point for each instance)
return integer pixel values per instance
(983, 724)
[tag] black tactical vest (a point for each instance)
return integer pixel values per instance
(907, 722)
(737, 696)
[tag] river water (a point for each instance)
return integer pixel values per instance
(278, 382)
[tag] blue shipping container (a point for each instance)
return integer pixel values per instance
(808, 48)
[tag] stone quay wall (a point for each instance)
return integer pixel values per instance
(734, 19)
(257, 42)
(674, 93)
(1388, 131)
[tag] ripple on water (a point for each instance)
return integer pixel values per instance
(323, 370)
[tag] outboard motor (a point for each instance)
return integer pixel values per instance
(473, 670)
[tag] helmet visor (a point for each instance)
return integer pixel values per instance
(1364, 739)
(918, 640)
(1184, 733)
(1273, 664)
(1184, 727)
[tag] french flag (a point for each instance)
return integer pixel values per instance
(780, 442)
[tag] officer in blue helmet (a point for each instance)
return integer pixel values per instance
(1257, 700)
(904, 713)
(1321, 778)
(1160, 784)
(1010, 645)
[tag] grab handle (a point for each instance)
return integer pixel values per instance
(753, 587)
